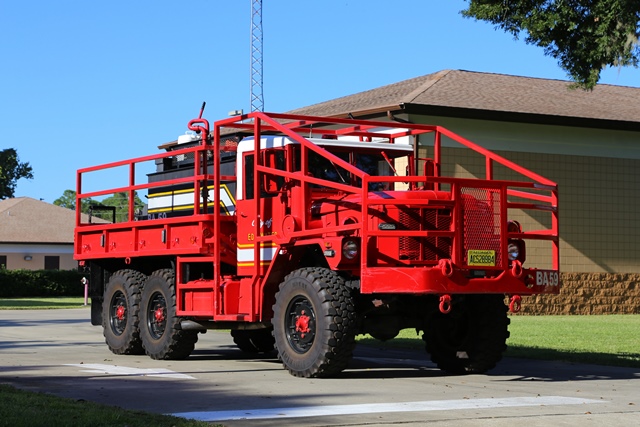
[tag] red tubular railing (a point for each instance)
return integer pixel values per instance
(539, 193)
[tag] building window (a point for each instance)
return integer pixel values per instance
(52, 263)
(3, 261)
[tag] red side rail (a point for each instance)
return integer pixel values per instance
(169, 236)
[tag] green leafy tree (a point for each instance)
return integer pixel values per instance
(68, 200)
(11, 170)
(121, 202)
(585, 36)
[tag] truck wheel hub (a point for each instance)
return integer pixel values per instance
(120, 312)
(302, 324)
(158, 315)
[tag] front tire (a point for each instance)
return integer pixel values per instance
(314, 323)
(160, 330)
(121, 310)
(472, 337)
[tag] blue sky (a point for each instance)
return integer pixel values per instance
(86, 82)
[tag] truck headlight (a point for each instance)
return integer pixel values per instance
(516, 248)
(350, 249)
(514, 251)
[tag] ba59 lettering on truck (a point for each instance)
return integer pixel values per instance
(547, 278)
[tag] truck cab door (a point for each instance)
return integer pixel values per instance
(264, 218)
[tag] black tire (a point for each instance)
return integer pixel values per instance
(254, 341)
(160, 330)
(314, 323)
(120, 312)
(472, 337)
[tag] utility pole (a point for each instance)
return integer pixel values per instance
(257, 100)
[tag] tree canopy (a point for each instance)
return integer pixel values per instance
(120, 201)
(585, 36)
(11, 170)
(68, 200)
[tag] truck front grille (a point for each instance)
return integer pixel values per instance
(425, 248)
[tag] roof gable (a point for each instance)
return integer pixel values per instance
(26, 220)
(457, 90)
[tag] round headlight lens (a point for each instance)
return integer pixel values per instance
(514, 251)
(350, 249)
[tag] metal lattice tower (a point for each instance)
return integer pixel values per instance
(257, 101)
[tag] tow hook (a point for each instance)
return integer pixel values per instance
(516, 269)
(445, 304)
(446, 266)
(515, 304)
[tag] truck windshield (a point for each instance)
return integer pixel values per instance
(371, 163)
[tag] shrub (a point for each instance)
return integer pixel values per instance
(40, 283)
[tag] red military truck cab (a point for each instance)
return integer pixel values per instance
(299, 233)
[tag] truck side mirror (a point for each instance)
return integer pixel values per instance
(273, 184)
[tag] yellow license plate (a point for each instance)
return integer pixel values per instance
(483, 258)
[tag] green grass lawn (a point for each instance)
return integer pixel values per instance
(37, 409)
(604, 340)
(41, 303)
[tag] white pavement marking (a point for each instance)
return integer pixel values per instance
(436, 405)
(96, 368)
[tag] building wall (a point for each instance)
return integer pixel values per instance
(589, 293)
(16, 253)
(598, 174)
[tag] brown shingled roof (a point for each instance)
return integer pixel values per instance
(465, 93)
(26, 220)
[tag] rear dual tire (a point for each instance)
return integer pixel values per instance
(120, 313)
(160, 331)
(139, 316)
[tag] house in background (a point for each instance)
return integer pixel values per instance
(586, 141)
(36, 235)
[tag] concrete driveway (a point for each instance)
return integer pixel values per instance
(59, 352)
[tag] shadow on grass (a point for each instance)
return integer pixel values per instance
(628, 360)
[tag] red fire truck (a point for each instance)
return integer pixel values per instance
(299, 233)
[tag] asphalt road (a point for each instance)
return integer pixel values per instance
(59, 352)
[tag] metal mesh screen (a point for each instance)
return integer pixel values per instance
(425, 248)
(481, 217)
